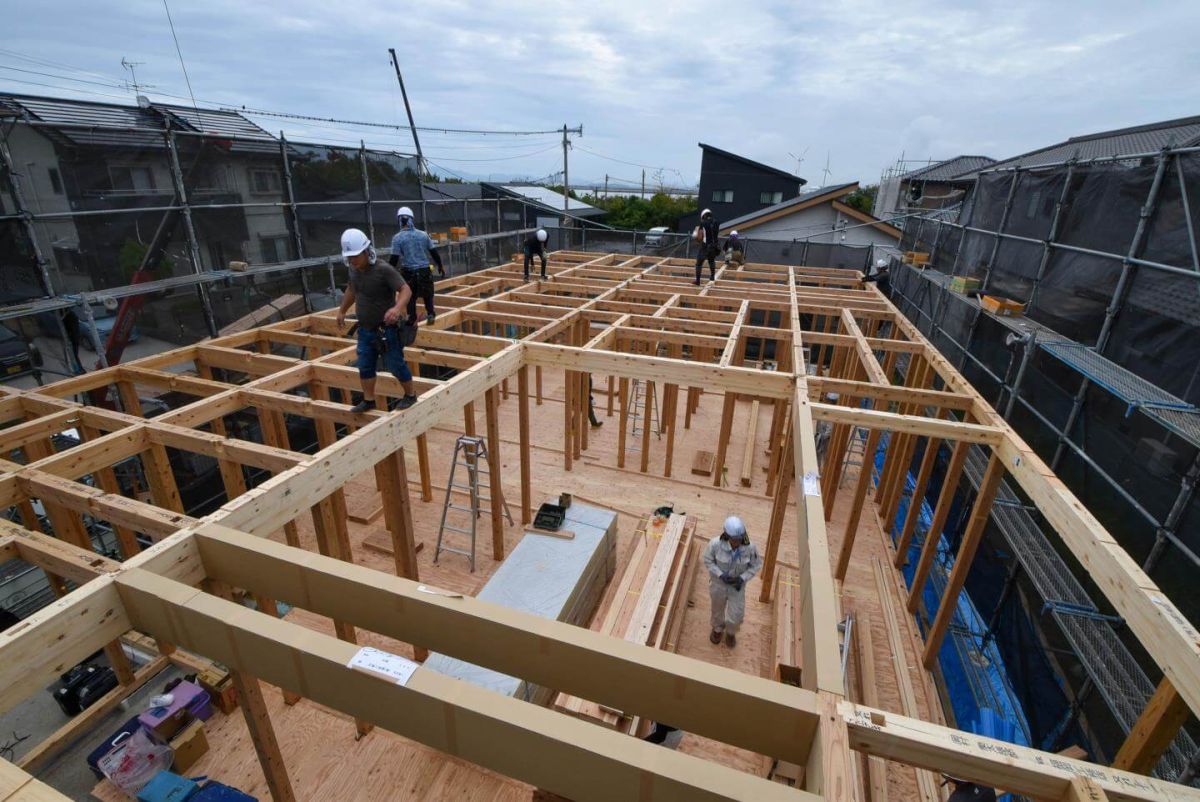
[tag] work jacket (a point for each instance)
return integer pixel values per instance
(742, 562)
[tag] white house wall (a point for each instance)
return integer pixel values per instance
(819, 224)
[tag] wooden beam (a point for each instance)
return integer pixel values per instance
(1154, 730)
(496, 487)
(934, 533)
(576, 759)
(911, 424)
(523, 435)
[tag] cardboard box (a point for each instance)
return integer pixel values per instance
(190, 745)
(220, 687)
(964, 284)
(1004, 307)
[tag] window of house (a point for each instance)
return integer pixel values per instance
(770, 198)
(275, 249)
(263, 182)
(722, 196)
(55, 180)
(131, 177)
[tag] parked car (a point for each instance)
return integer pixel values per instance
(17, 357)
(655, 238)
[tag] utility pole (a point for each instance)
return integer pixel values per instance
(413, 126)
(606, 185)
(643, 184)
(578, 131)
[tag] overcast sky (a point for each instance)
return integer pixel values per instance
(857, 82)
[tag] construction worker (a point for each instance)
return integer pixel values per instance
(732, 561)
(412, 249)
(709, 243)
(881, 276)
(735, 250)
(379, 296)
(535, 243)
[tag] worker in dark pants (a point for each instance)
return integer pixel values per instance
(735, 250)
(882, 277)
(379, 296)
(412, 250)
(709, 244)
(535, 244)
(592, 419)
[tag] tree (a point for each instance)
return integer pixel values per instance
(863, 198)
(632, 212)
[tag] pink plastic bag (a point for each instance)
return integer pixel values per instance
(135, 761)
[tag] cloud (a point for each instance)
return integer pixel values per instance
(862, 81)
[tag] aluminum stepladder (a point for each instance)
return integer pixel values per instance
(471, 453)
(856, 448)
(637, 393)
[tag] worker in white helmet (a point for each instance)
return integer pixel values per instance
(535, 244)
(379, 296)
(412, 250)
(735, 250)
(732, 561)
(708, 241)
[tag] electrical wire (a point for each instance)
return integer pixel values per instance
(178, 51)
(368, 124)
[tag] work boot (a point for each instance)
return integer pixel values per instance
(730, 640)
(430, 318)
(527, 277)
(406, 402)
(543, 276)
(714, 637)
(363, 406)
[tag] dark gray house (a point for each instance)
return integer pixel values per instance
(734, 186)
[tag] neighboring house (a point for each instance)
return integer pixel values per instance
(734, 186)
(817, 215)
(544, 206)
(934, 186)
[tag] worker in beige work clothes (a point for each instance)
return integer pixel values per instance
(732, 561)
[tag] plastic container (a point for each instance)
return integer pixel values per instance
(167, 787)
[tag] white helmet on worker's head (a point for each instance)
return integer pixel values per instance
(706, 213)
(542, 235)
(404, 213)
(734, 528)
(354, 242)
(733, 234)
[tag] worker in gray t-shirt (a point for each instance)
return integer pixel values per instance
(379, 296)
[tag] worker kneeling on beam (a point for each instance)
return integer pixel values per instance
(732, 561)
(379, 296)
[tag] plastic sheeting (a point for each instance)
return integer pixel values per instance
(548, 576)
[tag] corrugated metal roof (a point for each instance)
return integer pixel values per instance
(450, 189)
(1138, 139)
(948, 169)
(550, 198)
(104, 117)
(834, 192)
(221, 123)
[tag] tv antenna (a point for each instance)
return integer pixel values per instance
(132, 82)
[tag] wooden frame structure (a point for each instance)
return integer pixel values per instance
(612, 315)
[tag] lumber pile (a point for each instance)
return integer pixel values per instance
(282, 308)
(788, 609)
(648, 606)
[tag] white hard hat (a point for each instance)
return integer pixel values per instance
(734, 527)
(542, 235)
(733, 233)
(404, 211)
(706, 212)
(354, 242)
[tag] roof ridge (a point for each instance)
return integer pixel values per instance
(1137, 129)
(760, 165)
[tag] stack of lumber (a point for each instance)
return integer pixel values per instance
(550, 576)
(281, 308)
(648, 606)
(788, 609)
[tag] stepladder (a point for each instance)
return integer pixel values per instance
(637, 409)
(471, 455)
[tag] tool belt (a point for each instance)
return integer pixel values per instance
(406, 333)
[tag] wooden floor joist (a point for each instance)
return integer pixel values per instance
(602, 318)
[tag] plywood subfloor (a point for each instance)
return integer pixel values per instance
(323, 757)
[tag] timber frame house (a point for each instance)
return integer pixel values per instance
(611, 315)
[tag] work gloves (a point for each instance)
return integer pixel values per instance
(732, 580)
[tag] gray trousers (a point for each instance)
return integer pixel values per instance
(728, 606)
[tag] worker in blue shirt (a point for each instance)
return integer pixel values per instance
(412, 249)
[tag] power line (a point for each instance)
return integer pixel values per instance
(366, 124)
(183, 66)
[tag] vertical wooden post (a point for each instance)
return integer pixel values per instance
(537, 374)
(966, 555)
(924, 473)
(783, 486)
(523, 422)
(107, 479)
(469, 419)
(647, 401)
(856, 505)
(723, 437)
(276, 437)
(942, 511)
(568, 419)
(670, 397)
(496, 492)
(611, 392)
(423, 467)
(624, 421)
(689, 405)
